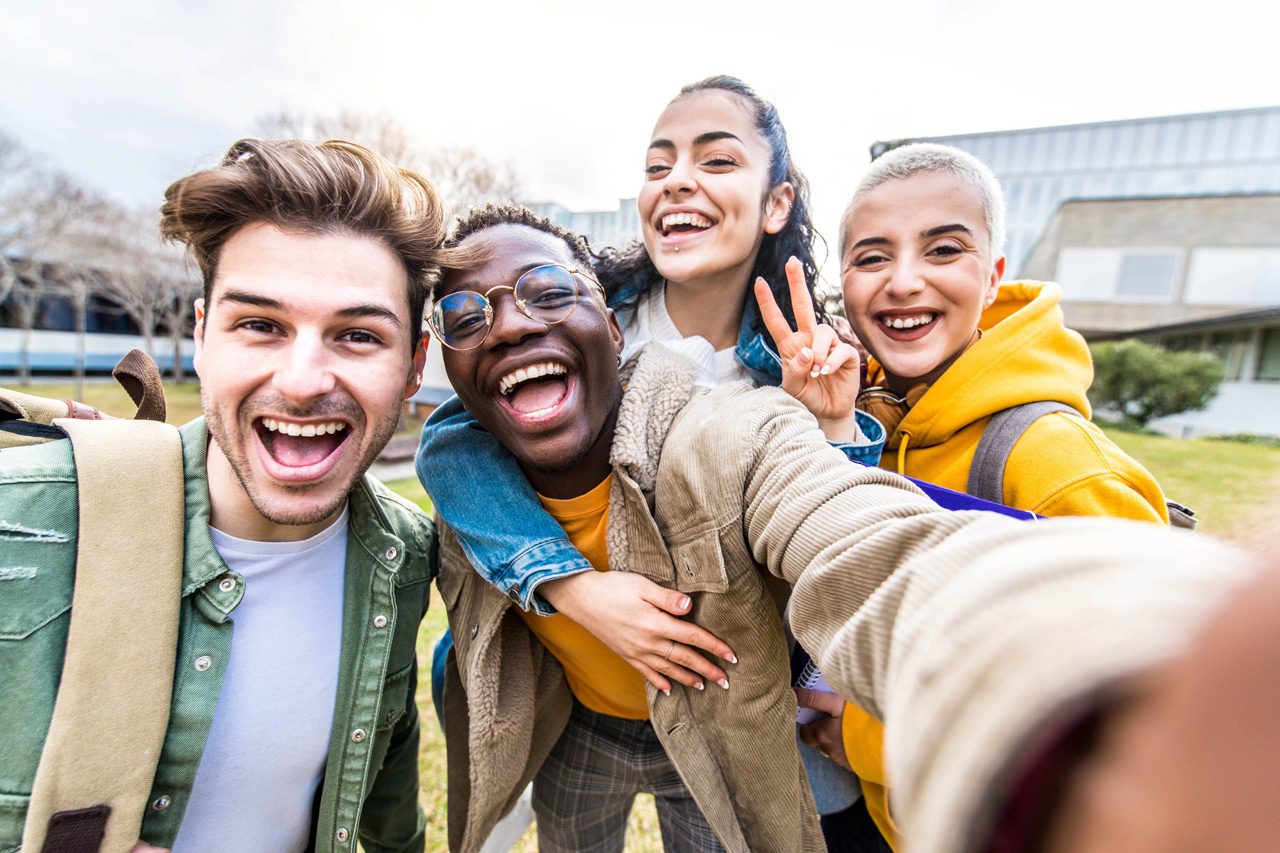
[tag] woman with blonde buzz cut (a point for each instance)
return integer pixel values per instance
(921, 259)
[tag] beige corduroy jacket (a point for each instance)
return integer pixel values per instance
(713, 493)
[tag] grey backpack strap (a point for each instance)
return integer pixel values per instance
(1005, 427)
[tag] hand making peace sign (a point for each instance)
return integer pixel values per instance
(818, 368)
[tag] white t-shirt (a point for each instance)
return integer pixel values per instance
(269, 741)
(650, 322)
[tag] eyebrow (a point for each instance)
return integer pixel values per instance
(932, 232)
(351, 311)
(700, 139)
(943, 229)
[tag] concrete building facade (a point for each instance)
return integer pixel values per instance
(1235, 152)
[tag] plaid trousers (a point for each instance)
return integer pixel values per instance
(583, 793)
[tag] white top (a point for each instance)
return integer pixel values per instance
(269, 741)
(650, 322)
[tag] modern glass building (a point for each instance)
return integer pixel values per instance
(1234, 152)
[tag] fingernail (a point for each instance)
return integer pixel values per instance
(684, 602)
(667, 692)
(724, 682)
(826, 368)
(700, 686)
(732, 658)
(813, 374)
(806, 354)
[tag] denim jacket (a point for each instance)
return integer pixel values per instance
(507, 536)
(371, 778)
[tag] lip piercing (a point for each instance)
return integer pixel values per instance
(677, 248)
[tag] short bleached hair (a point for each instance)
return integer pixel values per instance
(919, 157)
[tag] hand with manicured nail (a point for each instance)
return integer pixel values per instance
(818, 368)
(639, 621)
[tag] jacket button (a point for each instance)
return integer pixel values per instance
(161, 803)
(391, 553)
(358, 736)
(202, 663)
(379, 621)
(341, 835)
(227, 584)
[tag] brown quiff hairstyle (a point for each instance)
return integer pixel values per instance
(313, 188)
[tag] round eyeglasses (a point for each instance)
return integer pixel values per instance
(548, 294)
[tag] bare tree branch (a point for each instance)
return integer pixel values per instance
(464, 177)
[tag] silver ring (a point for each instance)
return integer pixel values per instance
(667, 656)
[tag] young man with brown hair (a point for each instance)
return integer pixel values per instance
(292, 724)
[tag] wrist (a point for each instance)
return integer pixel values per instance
(563, 593)
(841, 430)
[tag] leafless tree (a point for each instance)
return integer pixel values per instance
(463, 176)
(137, 270)
(36, 204)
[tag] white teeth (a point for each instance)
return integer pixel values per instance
(549, 368)
(306, 430)
(908, 322)
(697, 220)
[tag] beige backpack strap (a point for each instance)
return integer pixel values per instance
(112, 709)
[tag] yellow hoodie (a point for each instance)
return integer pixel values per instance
(1062, 465)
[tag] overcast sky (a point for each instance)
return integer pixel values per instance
(131, 94)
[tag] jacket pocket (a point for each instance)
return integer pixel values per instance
(32, 593)
(395, 698)
(699, 563)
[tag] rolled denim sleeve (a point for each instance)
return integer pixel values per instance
(868, 452)
(481, 493)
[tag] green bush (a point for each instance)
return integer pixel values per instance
(1143, 381)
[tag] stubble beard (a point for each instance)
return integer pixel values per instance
(235, 453)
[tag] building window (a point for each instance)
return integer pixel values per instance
(1128, 275)
(1230, 347)
(1233, 277)
(1147, 275)
(1269, 362)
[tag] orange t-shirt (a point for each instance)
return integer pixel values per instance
(599, 679)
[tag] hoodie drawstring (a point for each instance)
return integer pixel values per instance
(902, 453)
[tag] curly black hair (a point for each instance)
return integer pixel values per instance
(506, 213)
(630, 268)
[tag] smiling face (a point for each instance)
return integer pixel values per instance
(918, 272)
(549, 393)
(304, 358)
(706, 204)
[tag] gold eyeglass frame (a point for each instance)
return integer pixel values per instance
(520, 304)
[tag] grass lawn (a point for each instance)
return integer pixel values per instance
(107, 396)
(1232, 487)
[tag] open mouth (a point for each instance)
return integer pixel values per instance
(684, 223)
(535, 392)
(296, 450)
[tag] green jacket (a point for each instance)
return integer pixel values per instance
(371, 779)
